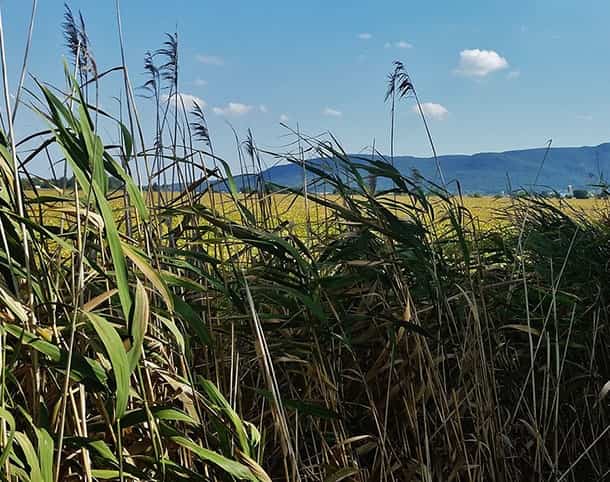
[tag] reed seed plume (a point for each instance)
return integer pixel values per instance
(77, 42)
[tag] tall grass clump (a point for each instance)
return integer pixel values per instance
(158, 324)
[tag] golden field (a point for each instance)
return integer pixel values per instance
(489, 209)
(486, 211)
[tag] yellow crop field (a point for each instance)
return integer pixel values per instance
(485, 210)
(296, 211)
(490, 210)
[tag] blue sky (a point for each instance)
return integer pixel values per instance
(497, 75)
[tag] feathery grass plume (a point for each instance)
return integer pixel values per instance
(71, 33)
(152, 86)
(169, 55)
(398, 82)
(199, 124)
(77, 41)
(151, 89)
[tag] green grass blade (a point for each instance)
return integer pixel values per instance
(31, 457)
(45, 454)
(231, 467)
(118, 359)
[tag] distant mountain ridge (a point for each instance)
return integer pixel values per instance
(487, 172)
(484, 173)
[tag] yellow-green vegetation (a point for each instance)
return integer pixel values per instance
(216, 336)
(486, 211)
(489, 210)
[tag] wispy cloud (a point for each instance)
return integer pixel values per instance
(513, 74)
(200, 82)
(188, 100)
(263, 108)
(332, 112)
(233, 109)
(432, 110)
(480, 63)
(585, 117)
(210, 59)
(365, 36)
(283, 118)
(401, 44)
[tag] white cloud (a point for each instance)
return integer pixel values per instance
(263, 108)
(513, 74)
(332, 112)
(283, 118)
(233, 109)
(432, 110)
(365, 36)
(188, 100)
(210, 59)
(401, 44)
(200, 82)
(479, 63)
